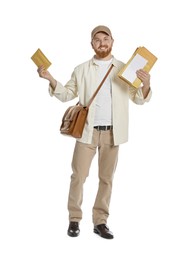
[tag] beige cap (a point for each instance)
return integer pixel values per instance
(100, 28)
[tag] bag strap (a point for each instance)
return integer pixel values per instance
(98, 88)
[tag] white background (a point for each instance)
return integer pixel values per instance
(149, 212)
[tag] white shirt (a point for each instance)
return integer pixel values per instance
(103, 107)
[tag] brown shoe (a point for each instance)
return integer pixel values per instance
(103, 231)
(73, 230)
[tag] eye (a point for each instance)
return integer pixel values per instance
(96, 40)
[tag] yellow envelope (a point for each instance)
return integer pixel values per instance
(40, 59)
(142, 58)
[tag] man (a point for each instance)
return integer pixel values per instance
(105, 129)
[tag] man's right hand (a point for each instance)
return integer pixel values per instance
(43, 73)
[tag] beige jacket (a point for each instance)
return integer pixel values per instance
(83, 83)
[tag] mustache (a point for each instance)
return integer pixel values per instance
(105, 46)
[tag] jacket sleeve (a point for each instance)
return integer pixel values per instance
(136, 95)
(67, 92)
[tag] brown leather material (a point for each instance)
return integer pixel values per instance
(74, 118)
(73, 230)
(103, 231)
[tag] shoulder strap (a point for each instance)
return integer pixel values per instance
(95, 93)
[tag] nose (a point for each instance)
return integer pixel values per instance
(102, 42)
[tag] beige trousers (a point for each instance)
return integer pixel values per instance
(107, 161)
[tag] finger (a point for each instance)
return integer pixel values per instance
(41, 68)
(142, 72)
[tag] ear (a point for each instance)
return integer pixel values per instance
(92, 45)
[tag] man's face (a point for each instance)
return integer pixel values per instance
(102, 44)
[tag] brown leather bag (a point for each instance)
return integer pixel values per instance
(74, 118)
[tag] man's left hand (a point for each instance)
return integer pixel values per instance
(144, 77)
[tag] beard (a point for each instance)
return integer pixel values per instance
(103, 53)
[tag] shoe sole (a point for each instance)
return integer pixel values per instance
(73, 235)
(98, 233)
